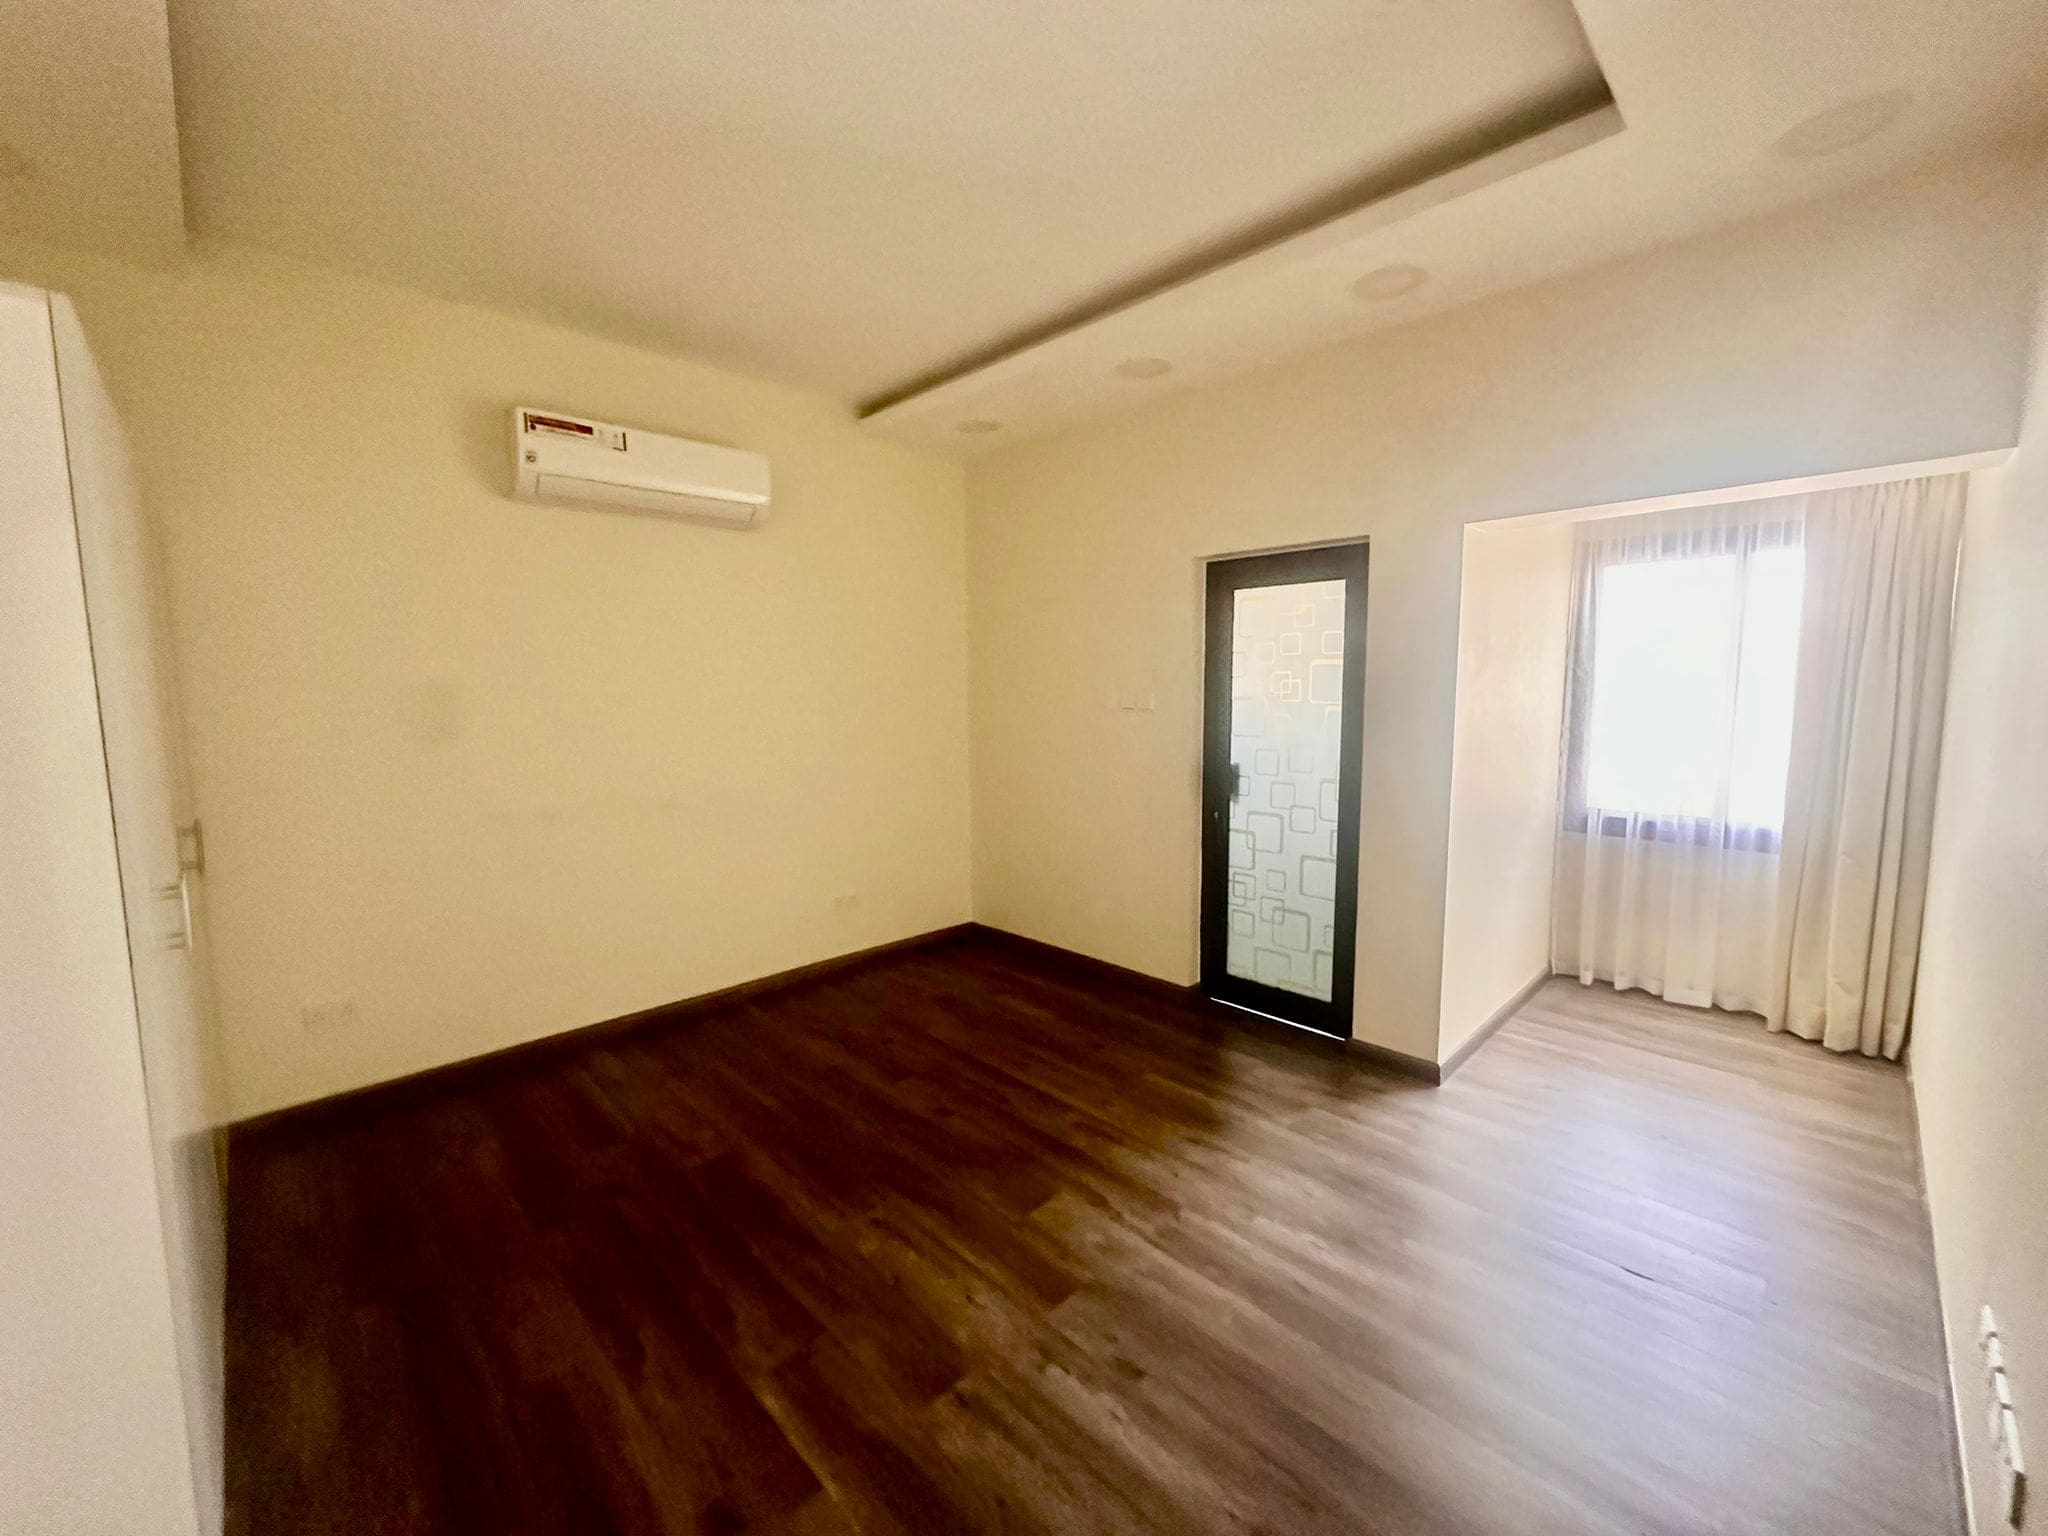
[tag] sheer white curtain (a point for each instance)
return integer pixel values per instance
(1685, 629)
(1873, 683)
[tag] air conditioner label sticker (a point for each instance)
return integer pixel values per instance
(587, 431)
(559, 424)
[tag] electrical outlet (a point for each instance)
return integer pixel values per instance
(2003, 1423)
(330, 1017)
(2012, 1469)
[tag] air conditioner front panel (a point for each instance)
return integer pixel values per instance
(601, 493)
(563, 458)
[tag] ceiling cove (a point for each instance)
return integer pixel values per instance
(1375, 200)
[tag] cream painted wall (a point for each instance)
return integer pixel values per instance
(1979, 1052)
(1513, 622)
(486, 770)
(1876, 329)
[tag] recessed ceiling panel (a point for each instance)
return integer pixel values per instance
(854, 194)
(1732, 109)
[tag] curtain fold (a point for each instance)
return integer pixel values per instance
(1871, 689)
(1666, 876)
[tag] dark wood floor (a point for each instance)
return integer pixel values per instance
(962, 1242)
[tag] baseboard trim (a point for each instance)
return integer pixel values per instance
(1076, 963)
(432, 1080)
(1192, 997)
(1494, 1020)
(1417, 1067)
(1959, 1467)
(374, 1097)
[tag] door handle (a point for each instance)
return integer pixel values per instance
(182, 889)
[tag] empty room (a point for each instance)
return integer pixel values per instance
(913, 766)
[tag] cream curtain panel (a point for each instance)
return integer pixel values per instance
(1737, 827)
(1666, 873)
(1866, 739)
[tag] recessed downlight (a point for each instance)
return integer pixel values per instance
(1143, 367)
(978, 427)
(1844, 125)
(1389, 282)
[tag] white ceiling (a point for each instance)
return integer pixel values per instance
(88, 128)
(845, 193)
(1706, 91)
(867, 196)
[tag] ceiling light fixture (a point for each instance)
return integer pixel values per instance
(1143, 367)
(1844, 125)
(978, 427)
(1389, 282)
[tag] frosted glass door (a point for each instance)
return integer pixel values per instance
(1284, 658)
(1286, 742)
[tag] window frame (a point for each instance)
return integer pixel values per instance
(1741, 539)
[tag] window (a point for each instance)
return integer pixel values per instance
(1691, 660)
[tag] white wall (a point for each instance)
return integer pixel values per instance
(1979, 1052)
(142, 739)
(1879, 328)
(92, 1425)
(485, 770)
(1513, 622)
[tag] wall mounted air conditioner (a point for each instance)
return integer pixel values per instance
(574, 460)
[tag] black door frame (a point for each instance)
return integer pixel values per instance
(1225, 577)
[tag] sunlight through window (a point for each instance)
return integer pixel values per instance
(1693, 665)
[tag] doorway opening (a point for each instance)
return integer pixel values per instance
(1283, 730)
